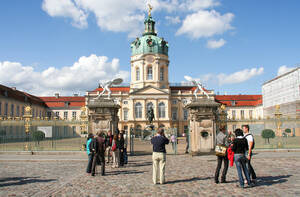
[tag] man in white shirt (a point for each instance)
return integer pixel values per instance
(250, 140)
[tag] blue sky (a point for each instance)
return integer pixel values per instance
(44, 41)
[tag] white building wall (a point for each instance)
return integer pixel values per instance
(281, 90)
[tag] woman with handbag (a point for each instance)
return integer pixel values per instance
(222, 144)
(115, 152)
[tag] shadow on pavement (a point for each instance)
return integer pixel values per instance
(124, 172)
(189, 180)
(271, 180)
(147, 163)
(12, 181)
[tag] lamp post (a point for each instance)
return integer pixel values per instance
(278, 115)
(83, 124)
(27, 118)
(131, 140)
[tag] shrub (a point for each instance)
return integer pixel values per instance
(288, 130)
(267, 134)
(38, 136)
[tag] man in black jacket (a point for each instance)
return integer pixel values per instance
(159, 142)
(99, 147)
(108, 144)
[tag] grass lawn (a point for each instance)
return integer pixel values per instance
(75, 144)
(277, 142)
(67, 144)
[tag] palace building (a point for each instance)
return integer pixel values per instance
(150, 87)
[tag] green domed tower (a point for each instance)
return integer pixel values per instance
(149, 59)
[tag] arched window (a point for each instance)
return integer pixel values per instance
(149, 73)
(125, 114)
(149, 106)
(161, 110)
(138, 110)
(138, 130)
(161, 74)
(137, 74)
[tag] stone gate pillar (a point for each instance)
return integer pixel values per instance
(203, 117)
(103, 115)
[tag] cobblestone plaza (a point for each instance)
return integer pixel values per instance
(64, 175)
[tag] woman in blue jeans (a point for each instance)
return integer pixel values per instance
(239, 147)
(89, 153)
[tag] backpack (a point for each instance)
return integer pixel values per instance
(253, 145)
(93, 146)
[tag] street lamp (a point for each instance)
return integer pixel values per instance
(27, 118)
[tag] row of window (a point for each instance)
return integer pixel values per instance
(150, 74)
(139, 128)
(174, 102)
(18, 111)
(66, 114)
(242, 114)
(138, 108)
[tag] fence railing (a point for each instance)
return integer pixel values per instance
(64, 135)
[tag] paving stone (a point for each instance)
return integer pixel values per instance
(278, 175)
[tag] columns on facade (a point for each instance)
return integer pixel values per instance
(144, 111)
(131, 110)
(156, 110)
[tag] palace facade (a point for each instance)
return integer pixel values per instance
(150, 87)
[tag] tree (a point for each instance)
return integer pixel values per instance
(2, 134)
(38, 136)
(267, 134)
(288, 131)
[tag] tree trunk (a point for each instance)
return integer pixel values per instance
(268, 140)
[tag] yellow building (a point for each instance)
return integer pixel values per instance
(13, 103)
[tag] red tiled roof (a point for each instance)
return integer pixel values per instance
(55, 104)
(188, 88)
(63, 98)
(77, 104)
(240, 100)
(73, 101)
(20, 96)
(185, 88)
(114, 89)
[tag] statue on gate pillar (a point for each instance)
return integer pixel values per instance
(198, 84)
(106, 87)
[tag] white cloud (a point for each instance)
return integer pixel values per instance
(182, 5)
(239, 76)
(173, 19)
(196, 5)
(205, 24)
(117, 15)
(128, 15)
(214, 44)
(284, 69)
(68, 9)
(83, 75)
(232, 78)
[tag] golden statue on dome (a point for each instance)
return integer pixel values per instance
(150, 8)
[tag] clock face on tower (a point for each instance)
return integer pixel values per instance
(150, 59)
